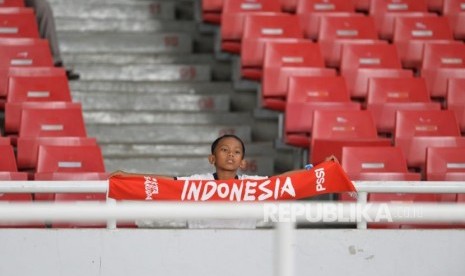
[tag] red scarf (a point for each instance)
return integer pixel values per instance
(327, 177)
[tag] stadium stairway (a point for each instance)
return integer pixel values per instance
(153, 93)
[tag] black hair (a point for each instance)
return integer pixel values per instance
(215, 143)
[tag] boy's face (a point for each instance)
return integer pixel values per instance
(228, 155)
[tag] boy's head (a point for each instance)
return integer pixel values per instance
(227, 153)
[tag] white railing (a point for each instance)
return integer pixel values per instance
(111, 211)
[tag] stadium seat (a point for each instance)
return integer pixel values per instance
(11, 3)
(445, 163)
(14, 112)
(66, 121)
(234, 16)
(306, 94)
(435, 5)
(259, 29)
(385, 11)
(28, 147)
(379, 163)
(334, 129)
(7, 72)
(336, 31)
(7, 159)
(454, 10)
(411, 33)
(415, 130)
(360, 61)
(18, 22)
(362, 5)
(387, 95)
(275, 83)
(5, 140)
(39, 88)
(294, 53)
(211, 11)
(311, 11)
(75, 158)
(442, 61)
(455, 100)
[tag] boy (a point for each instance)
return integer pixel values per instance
(227, 155)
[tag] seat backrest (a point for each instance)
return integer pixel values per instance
(12, 3)
(393, 90)
(297, 54)
(38, 88)
(347, 27)
(7, 159)
(272, 26)
(52, 158)
(303, 89)
(356, 56)
(443, 55)
(324, 6)
(411, 123)
(66, 121)
(381, 7)
(456, 92)
(28, 147)
(357, 160)
(72, 176)
(235, 11)
(421, 28)
(452, 7)
(346, 124)
(25, 52)
(18, 22)
(443, 160)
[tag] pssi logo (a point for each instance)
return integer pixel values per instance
(320, 179)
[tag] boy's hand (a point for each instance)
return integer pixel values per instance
(332, 158)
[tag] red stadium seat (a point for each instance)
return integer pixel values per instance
(78, 158)
(28, 147)
(415, 130)
(333, 130)
(259, 29)
(435, 5)
(385, 12)
(455, 100)
(336, 31)
(440, 61)
(445, 163)
(307, 94)
(5, 141)
(411, 33)
(358, 87)
(454, 10)
(275, 83)
(39, 88)
(14, 112)
(362, 5)
(296, 53)
(233, 20)
(376, 161)
(66, 121)
(18, 22)
(7, 159)
(211, 11)
(7, 72)
(387, 95)
(311, 11)
(12, 3)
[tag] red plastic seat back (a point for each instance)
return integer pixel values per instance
(7, 159)
(357, 160)
(411, 123)
(38, 89)
(441, 161)
(52, 158)
(397, 90)
(18, 22)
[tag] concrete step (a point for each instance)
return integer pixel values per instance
(147, 43)
(179, 87)
(125, 10)
(176, 166)
(122, 117)
(71, 24)
(178, 150)
(171, 134)
(144, 72)
(220, 70)
(151, 102)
